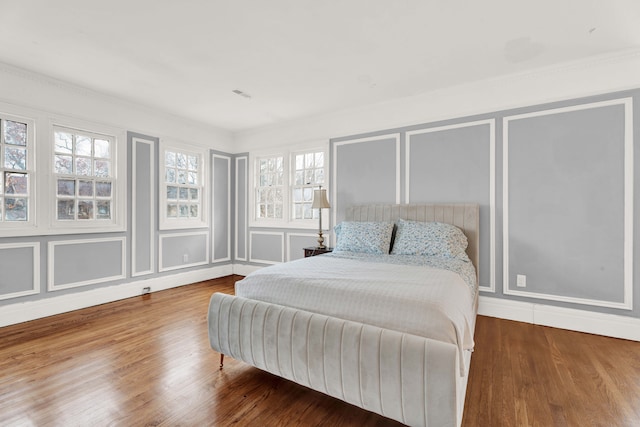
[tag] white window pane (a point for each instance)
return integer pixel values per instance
(15, 158)
(103, 209)
(83, 166)
(319, 159)
(297, 194)
(103, 189)
(298, 211)
(85, 188)
(183, 193)
(16, 183)
(193, 210)
(170, 159)
(172, 210)
(66, 187)
(307, 211)
(308, 160)
(181, 161)
(66, 209)
(299, 161)
(182, 177)
(299, 180)
(308, 194)
(170, 176)
(63, 164)
(192, 178)
(15, 133)
(278, 211)
(102, 168)
(193, 163)
(102, 148)
(83, 145)
(15, 209)
(63, 142)
(184, 211)
(85, 209)
(308, 177)
(280, 164)
(194, 194)
(172, 193)
(319, 179)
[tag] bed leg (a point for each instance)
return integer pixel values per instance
(221, 360)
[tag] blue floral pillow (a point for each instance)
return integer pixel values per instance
(364, 237)
(429, 238)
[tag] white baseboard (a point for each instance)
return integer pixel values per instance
(31, 310)
(245, 269)
(610, 325)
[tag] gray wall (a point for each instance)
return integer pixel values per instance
(40, 267)
(560, 223)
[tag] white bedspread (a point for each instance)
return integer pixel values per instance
(424, 301)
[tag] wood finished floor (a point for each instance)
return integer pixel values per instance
(146, 361)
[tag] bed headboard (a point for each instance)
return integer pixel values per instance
(465, 216)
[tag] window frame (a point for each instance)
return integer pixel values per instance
(118, 178)
(11, 227)
(288, 155)
(165, 222)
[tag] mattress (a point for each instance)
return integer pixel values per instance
(396, 292)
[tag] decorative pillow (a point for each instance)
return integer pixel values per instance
(429, 238)
(364, 237)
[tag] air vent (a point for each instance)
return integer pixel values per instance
(241, 93)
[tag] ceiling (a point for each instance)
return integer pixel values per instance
(299, 58)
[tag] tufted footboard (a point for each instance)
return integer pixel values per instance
(408, 378)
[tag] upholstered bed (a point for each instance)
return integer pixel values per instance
(391, 333)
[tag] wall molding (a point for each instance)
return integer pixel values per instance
(213, 228)
(334, 166)
(152, 177)
(51, 258)
(272, 233)
(31, 310)
(610, 325)
(245, 213)
(161, 267)
(627, 303)
(492, 184)
(35, 286)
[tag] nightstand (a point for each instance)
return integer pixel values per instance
(312, 251)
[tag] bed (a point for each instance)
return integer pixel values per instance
(390, 333)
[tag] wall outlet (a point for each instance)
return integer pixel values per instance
(146, 290)
(521, 281)
(185, 258)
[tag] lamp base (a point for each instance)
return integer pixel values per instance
(320, 241)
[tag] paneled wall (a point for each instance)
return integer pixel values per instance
(555, 186)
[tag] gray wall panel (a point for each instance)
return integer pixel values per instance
(241, 208)
(17, 269)
(365, 172)
(566, 203)
(174, 249)
(267, 246)
(144, 214)
(86, 261)
(221, 208)
(453, 166)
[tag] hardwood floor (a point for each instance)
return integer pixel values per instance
(146, 361)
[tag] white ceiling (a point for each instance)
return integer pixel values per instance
(298, 58)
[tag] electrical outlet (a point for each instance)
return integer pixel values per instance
(185, 258)
(521, 281)
(146, 290)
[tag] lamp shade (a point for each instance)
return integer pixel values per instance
(320, 199)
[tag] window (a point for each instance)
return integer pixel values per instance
(269, 189)
(183, 188)
(17, 169)
(283, 188)
(84, 178)
(308, 174)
